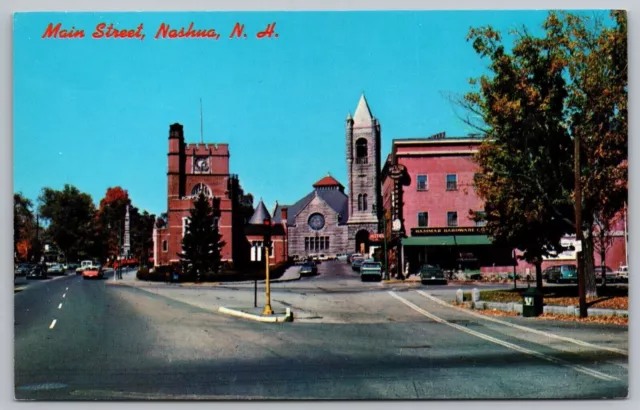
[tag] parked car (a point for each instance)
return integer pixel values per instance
(623, 273)
(308, 269)
(22, 269)
(371, 271)
(609, 274)
(354, 255)
(562, 273)
(56, 270)
(357, 262)
(342, 257)
(432, 273)
(37, 271)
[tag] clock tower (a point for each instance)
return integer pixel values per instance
(363, 167)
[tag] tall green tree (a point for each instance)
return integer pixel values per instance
(202, 242)
(571, 83)
(70, 215)
(523, 165)
(141, 232)
(595, 50)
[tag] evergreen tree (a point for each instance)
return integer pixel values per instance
(202, 242)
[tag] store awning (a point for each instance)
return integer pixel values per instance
(461, 240)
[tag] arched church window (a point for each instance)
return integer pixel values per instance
(201, 188)
(364, 202)
(359, 202)
(361, 151)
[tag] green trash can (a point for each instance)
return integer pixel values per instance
(532, 303)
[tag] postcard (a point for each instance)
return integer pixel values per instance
(300, 206)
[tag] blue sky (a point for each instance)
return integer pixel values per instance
(96, 113)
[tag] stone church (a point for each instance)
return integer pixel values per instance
(328, 221)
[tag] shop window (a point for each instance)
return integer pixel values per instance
(452, 182)
(422, 182)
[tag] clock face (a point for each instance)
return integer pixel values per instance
(201, 164)
(316, 222)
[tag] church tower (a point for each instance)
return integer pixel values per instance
(363, 167)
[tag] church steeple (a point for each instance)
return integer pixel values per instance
(363, 114)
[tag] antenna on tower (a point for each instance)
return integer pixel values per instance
(201, 126)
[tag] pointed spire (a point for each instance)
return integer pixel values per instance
(349, 117)
(260, 214)
(363, 113)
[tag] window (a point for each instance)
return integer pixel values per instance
(326, 242)
(185, 221)
(361, 151)
(423, 219)
(452, 182)
(359, 202)
(306, 244)
(321, 244)
(422, 183)
(201, 188)
(364, 202)
(272, 252)
(452, 219)
(165, 246)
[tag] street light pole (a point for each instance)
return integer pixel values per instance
(579, 237)
(267, 246)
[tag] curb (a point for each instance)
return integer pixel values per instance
(551, 309)
(19, 289)
(288, 317)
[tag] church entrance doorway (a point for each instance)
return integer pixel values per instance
(362, 242)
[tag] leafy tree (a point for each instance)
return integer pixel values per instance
(70, 215)
(523, 158)
(110, 216)
(595, 50)
(202, 244)
(572, 83)
(23, 226)
(141, 232)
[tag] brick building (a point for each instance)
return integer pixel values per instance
(195, 168)
(255, 231)
(428, 191)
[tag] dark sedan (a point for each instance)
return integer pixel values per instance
(308, 269)
(37, 272)
(432, 273)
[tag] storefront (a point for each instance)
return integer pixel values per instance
(463, 248)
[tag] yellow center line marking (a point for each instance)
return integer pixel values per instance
(581, 369)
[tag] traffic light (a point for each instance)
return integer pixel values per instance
(267, 233)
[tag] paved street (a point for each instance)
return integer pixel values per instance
(350, 340)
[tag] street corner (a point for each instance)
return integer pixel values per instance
(256, 314)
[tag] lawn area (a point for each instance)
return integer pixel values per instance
(609, 297)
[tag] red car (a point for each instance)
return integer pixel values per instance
(93, 272)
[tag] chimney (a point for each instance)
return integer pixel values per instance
(283, 215)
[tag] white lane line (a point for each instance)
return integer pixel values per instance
(581, 369)
(60, 306)
(63, 295)
(527, 329)
(67, 289)
(53, 324)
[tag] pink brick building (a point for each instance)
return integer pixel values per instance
(431, 203)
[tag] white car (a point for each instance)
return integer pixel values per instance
(623, 273)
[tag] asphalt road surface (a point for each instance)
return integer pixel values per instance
(82, 340)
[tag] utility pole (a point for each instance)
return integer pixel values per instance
(579, 238)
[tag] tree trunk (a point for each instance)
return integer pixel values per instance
(539, 274)
(603, 256)
(587, 258)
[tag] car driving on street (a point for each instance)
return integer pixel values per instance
(432, 274)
